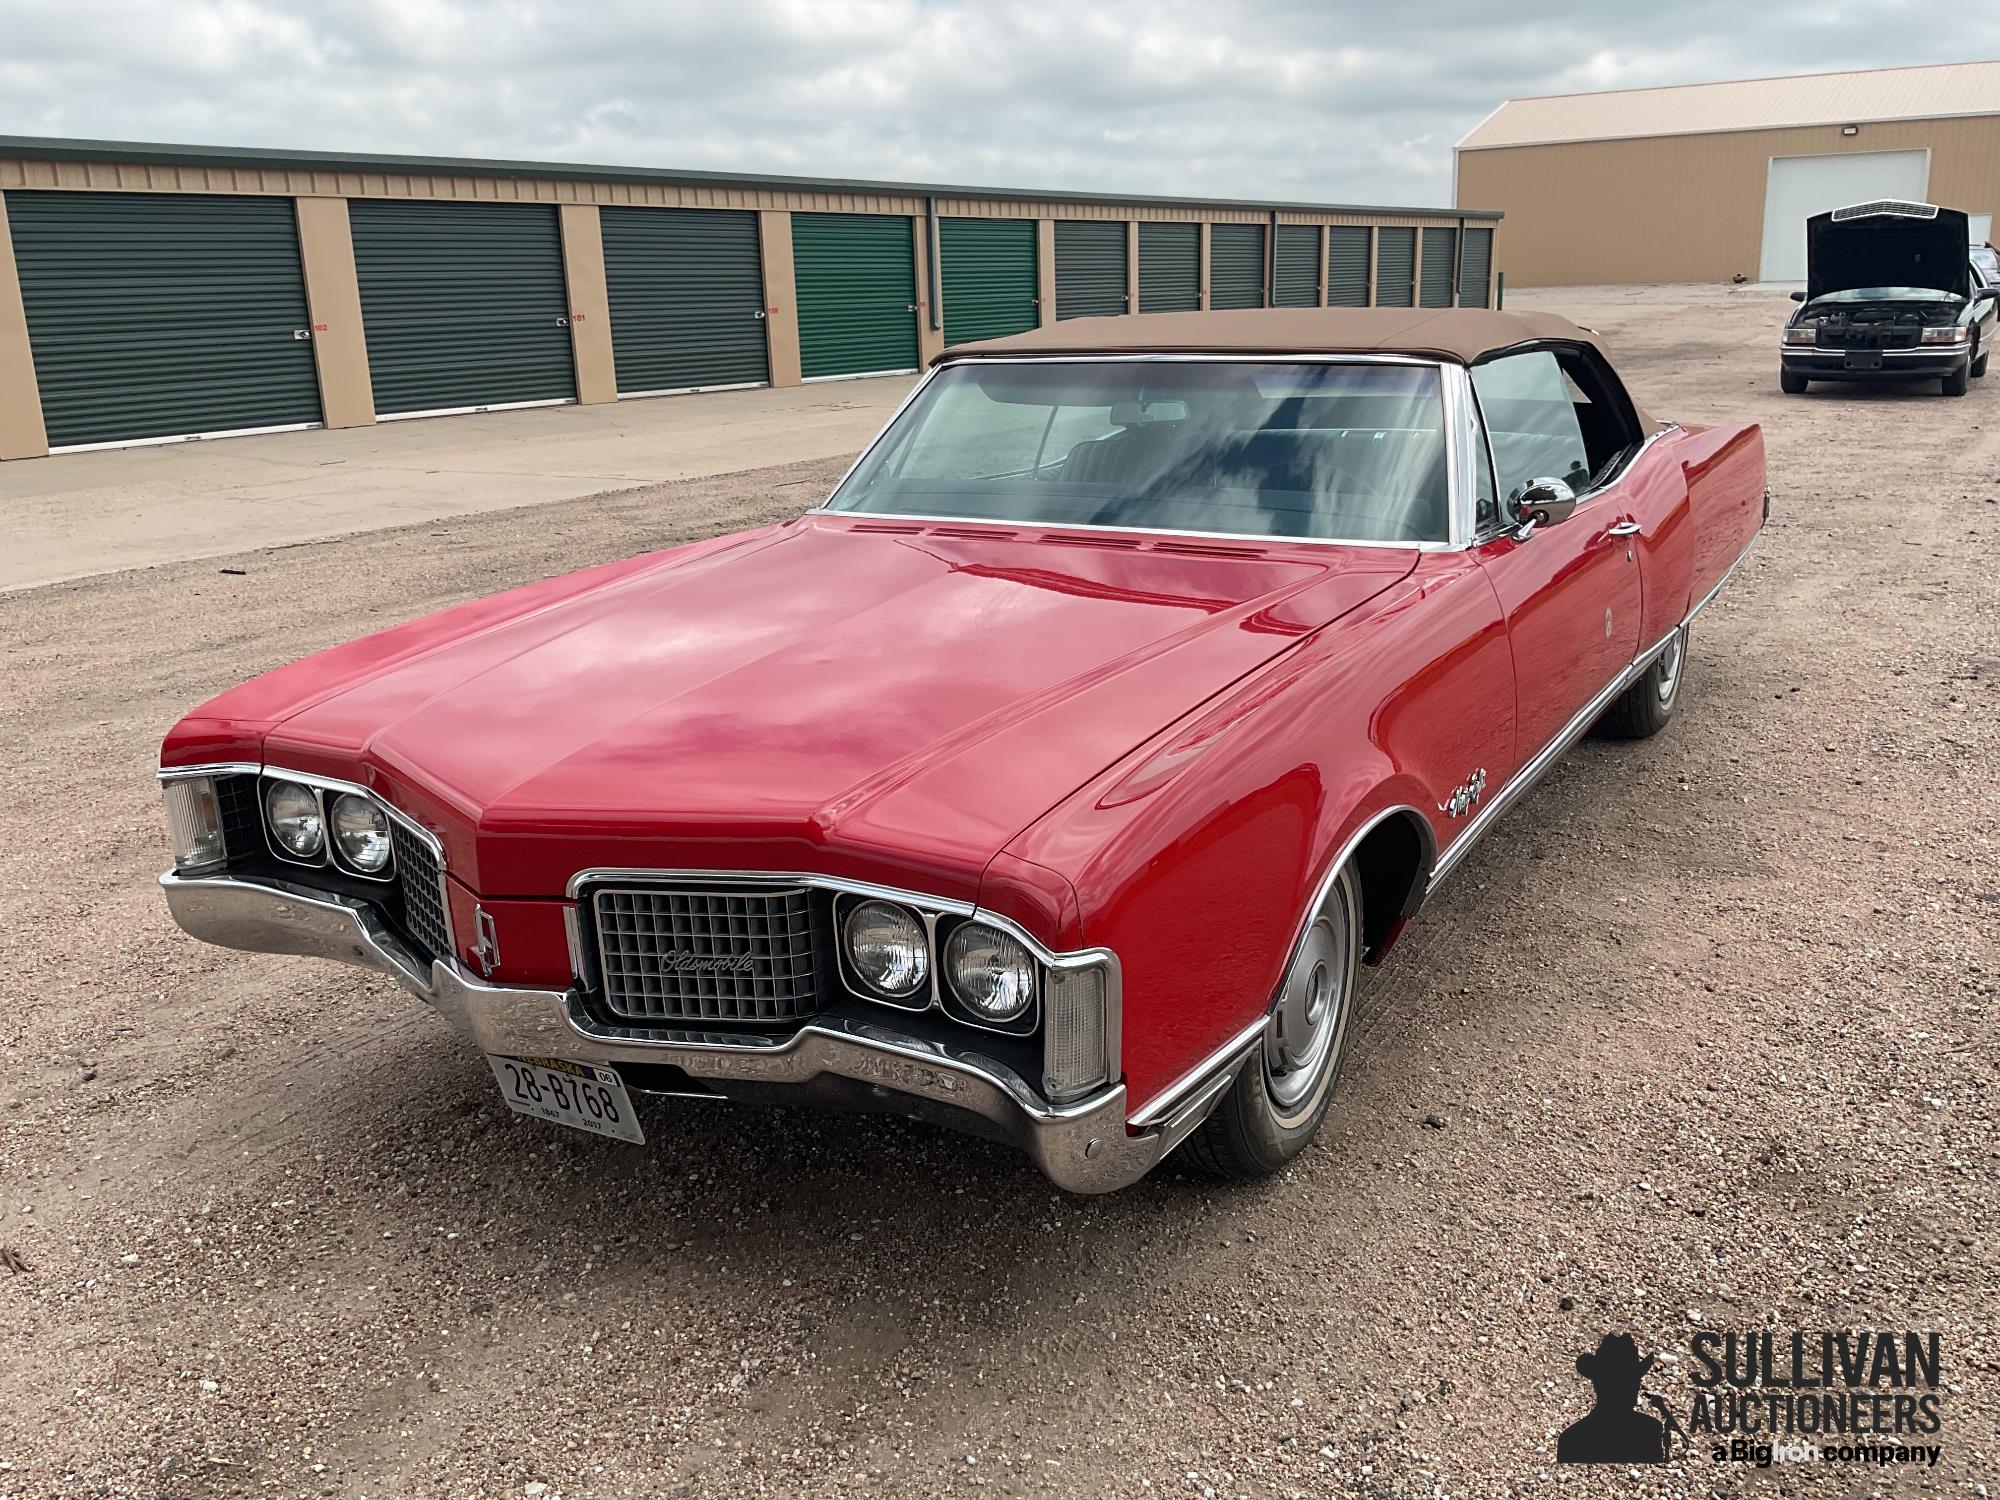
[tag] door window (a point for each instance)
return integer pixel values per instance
(1531, 418)
(1555, 414)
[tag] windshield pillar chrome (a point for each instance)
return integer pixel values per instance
(1463, 440)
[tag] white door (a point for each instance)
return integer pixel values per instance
(1801, 186)
(1979, 229)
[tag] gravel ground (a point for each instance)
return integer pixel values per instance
(1706, 1027)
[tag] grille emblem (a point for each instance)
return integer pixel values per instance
(680, 961)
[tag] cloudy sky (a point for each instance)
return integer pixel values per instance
(1294, 99)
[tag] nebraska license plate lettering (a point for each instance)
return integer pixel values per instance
(568, 1093)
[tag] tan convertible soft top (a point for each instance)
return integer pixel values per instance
(1463, 335)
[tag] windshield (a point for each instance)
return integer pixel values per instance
(1337, 452)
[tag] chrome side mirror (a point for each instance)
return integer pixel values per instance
(1543, 502)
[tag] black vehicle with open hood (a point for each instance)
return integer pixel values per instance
(1891, 293)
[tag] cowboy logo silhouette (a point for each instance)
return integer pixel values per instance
(1614, 1430)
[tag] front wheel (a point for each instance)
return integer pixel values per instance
(1955, 383)
(1979, 365)
(1647, 706)
(1282, 1095)
(1791, 382)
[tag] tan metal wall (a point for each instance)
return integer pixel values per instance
(1687, 207)
(22, 434)
(327, 252)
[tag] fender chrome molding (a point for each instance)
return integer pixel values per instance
(1524, 779)
(1209, 1078)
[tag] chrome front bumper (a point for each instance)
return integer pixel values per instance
(1083, 1147)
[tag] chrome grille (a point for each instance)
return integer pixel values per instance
(713, 955)
(242, 820)
(420, 879)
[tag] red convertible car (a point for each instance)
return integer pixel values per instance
(1051, 780)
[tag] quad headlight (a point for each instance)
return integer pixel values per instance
(1943, 333)
(992, 974)
(887, 949)
(293, 815)
(360, 833)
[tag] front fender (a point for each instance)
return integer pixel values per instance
(1198, 857)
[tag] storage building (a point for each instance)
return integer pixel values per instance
(150, 293)
(1712, 181)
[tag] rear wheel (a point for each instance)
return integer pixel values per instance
(1791, 382)
(1647, 706)
(1278, 1101)
(1956, 382)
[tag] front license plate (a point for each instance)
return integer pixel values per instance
(569, 1093)
(1870, 359)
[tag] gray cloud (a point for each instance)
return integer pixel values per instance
(1250, 98)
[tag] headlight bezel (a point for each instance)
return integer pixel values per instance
(953, 993)
(314, 858)
(344, 861)
(921, 995)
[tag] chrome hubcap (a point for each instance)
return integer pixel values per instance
(1311, 1012)
(1670, 667)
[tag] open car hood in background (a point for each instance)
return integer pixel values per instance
(1888, 249)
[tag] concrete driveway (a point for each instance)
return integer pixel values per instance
(76, 514)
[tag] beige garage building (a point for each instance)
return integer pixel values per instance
(1712, 181)
(153, 293)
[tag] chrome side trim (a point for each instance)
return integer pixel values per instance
(1229, 1056)
(1525, 778)
(1571, 732)
(1084, 1147)
(1223, 1060)
(1728, 573)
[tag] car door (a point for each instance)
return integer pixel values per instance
(1571, 592)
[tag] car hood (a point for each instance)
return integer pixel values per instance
(873, 698)
(1888, 249)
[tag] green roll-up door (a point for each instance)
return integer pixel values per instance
(988, 267)
(1236, 265)
(1169, 267)
(1295, 274)
(1440, 264)
(464, 303)
(1347, 247)
(161, 315)
(1090, 268)
(687, 298)
(1396, 266)
(1475, 268)
(856, 281)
